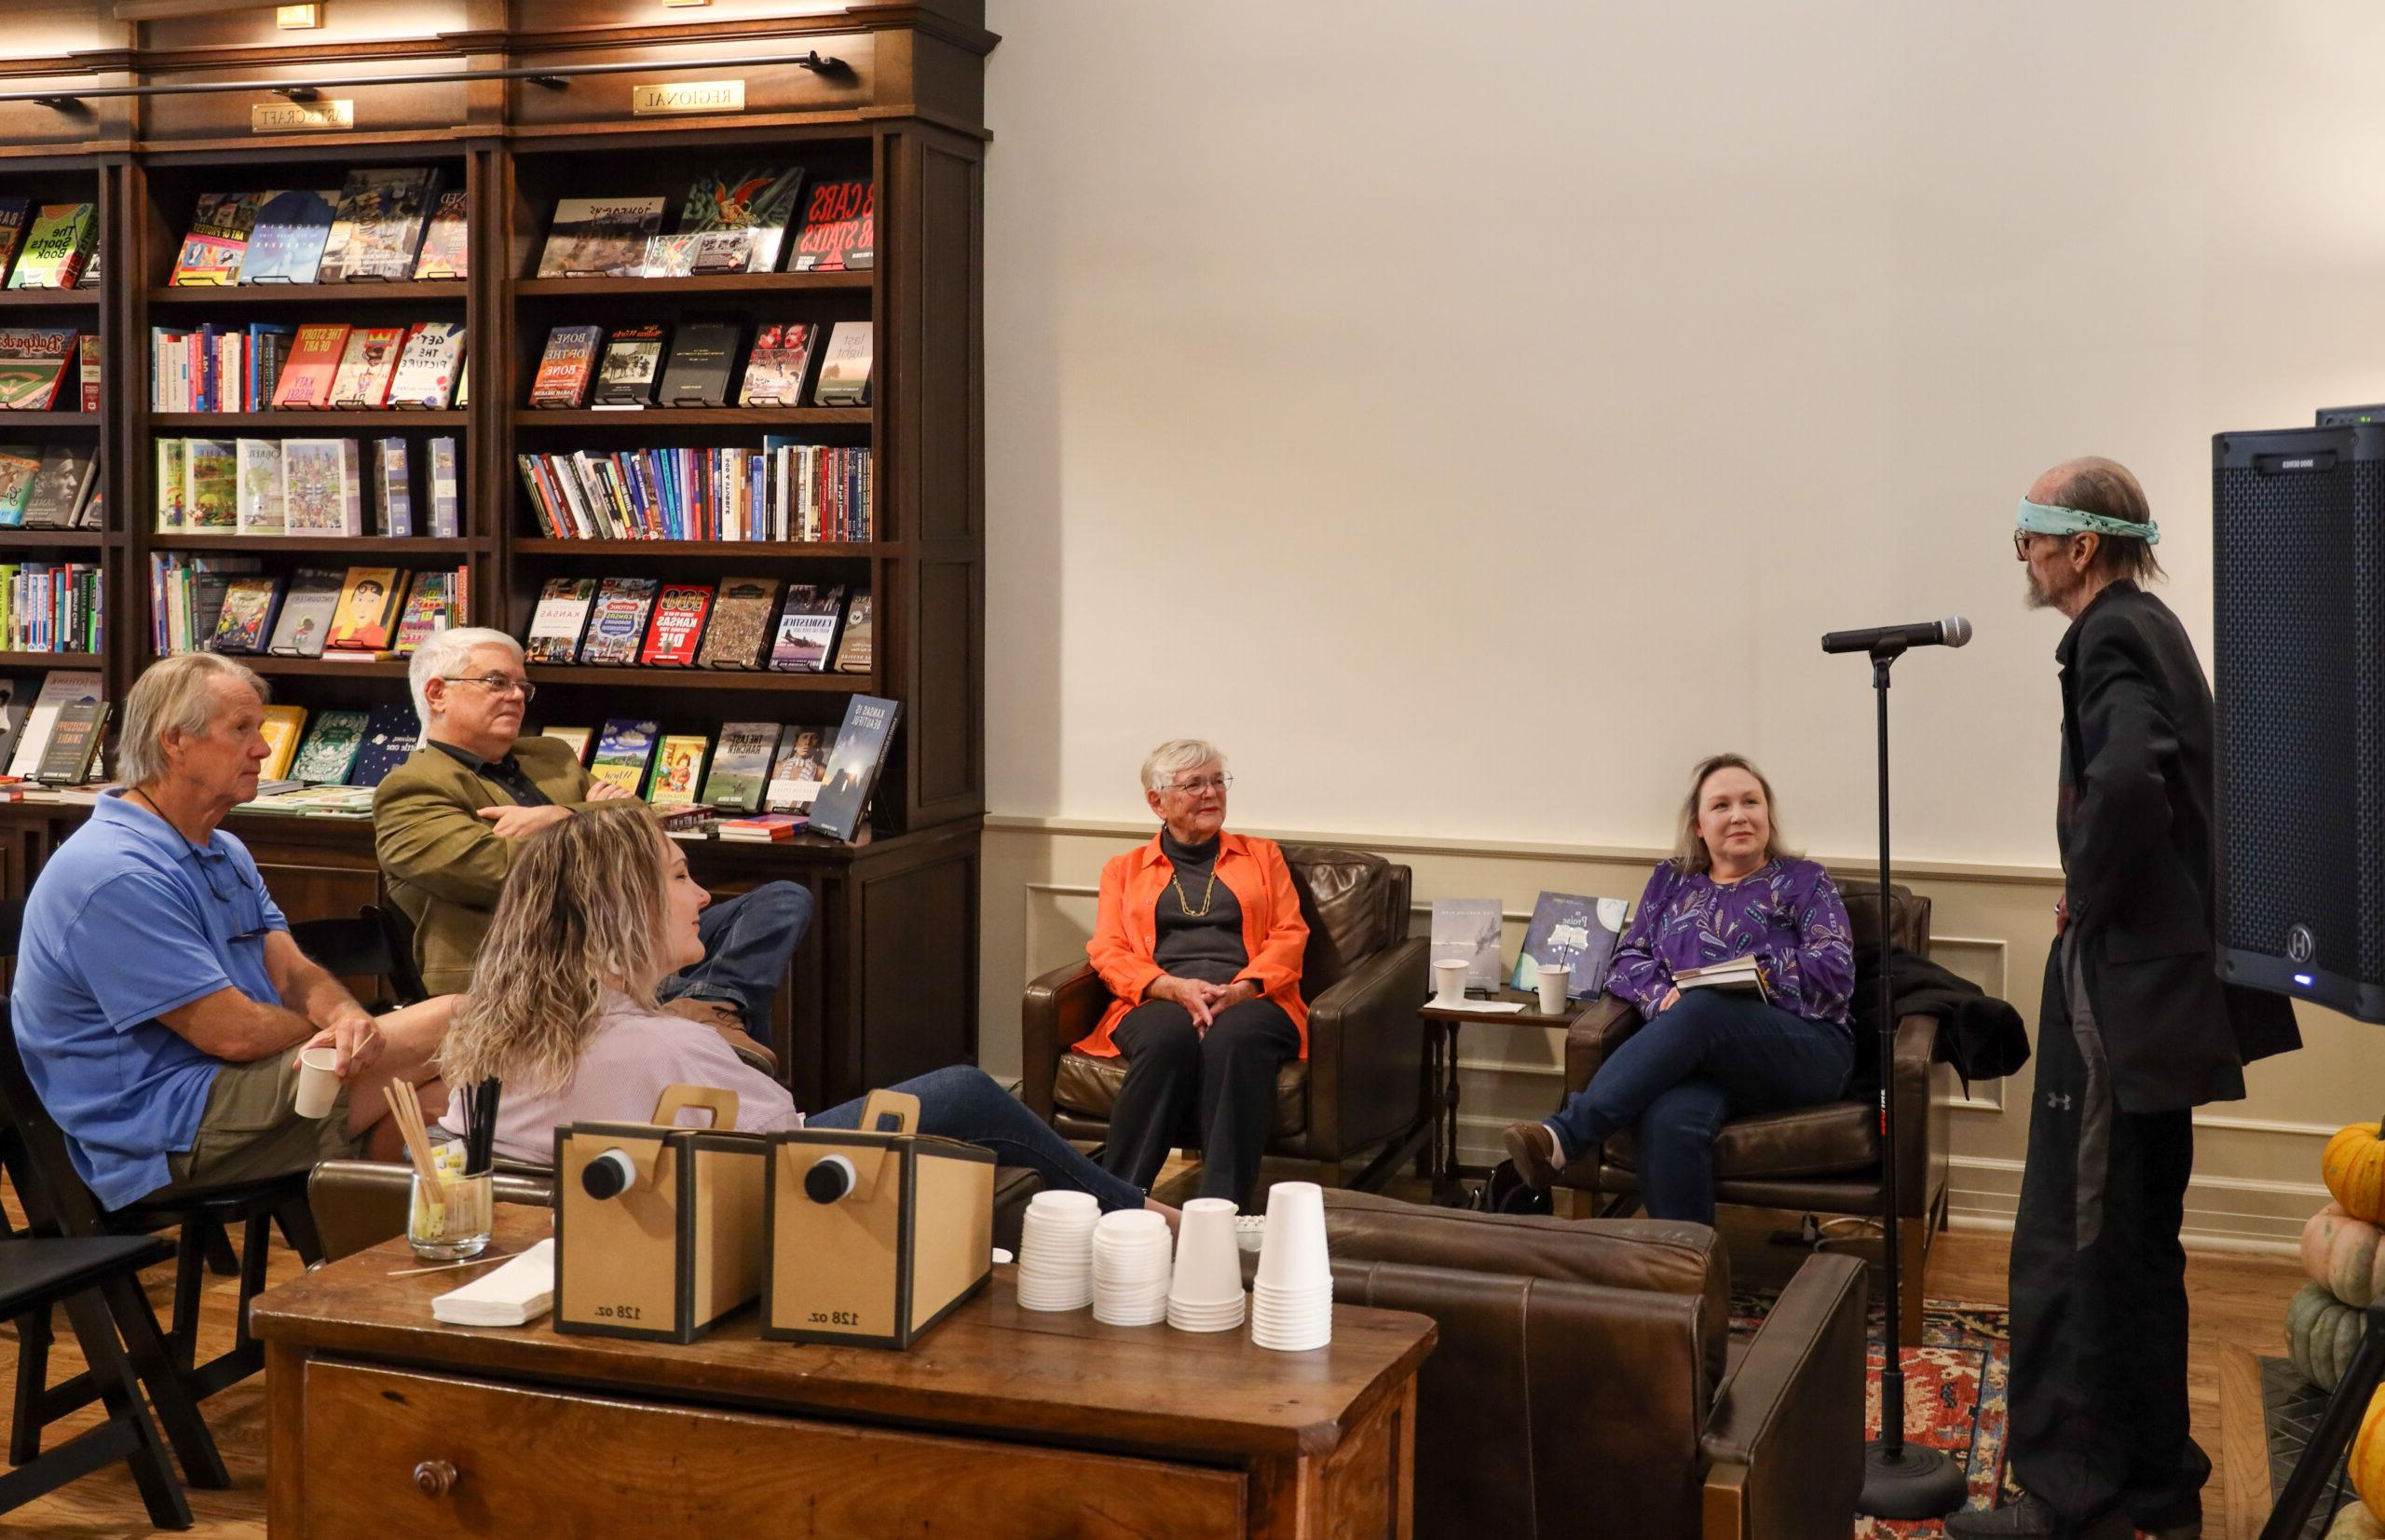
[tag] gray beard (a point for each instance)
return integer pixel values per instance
(2037, 598)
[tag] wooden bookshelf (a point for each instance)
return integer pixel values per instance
(895, 941)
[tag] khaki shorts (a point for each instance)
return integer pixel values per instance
(251, 1130)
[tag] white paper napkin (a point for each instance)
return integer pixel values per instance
(516, 1294)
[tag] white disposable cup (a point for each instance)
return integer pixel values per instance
(317, 1082)
(1056, 1201)
(1449, 980)
(1293, 1254)
(1209, 1263)
(1554, 979)
(1054, 1259)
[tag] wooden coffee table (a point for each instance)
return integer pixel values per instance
(1001, 1422)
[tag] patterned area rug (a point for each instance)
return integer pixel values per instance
(1955, 1388)
(2290, 1410)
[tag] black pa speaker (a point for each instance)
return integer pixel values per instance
(2298, 602)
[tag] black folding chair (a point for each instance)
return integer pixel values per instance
(98, 1280)
(371, 946)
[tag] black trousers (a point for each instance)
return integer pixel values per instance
(1217, 1088)
(2099, 1296)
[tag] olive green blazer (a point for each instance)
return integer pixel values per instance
(443, 863)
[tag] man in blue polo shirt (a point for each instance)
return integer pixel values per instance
(160, 1002)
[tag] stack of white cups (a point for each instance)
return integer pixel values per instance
(1055, 1251)
(1206, 1294)
(1291, 1304)
(1130, 1268)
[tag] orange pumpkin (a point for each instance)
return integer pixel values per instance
(2354, 1169)
(2368, 1456)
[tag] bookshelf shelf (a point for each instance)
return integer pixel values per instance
(254, 295)
(663, 288)
(50, 660)
(378, 668)
(31, 421)
(331, 545)
(704, 678)
(51, 539)
(50, 299)
(331, 424)
(738, 550)
(687, 417)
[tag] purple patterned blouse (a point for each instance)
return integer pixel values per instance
(1786, 913)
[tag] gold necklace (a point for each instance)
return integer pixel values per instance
(1208, 896)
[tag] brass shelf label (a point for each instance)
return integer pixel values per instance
(689, 96)
(302, 116)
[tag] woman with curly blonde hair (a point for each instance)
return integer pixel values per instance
(597, 911)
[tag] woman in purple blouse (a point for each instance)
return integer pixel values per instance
(1727, 893)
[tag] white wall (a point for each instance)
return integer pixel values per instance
(1470, 414)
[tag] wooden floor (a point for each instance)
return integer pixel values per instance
(2239, 1311)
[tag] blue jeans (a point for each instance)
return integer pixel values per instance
(963, 1102)
(748, 942)
(1712, 1056)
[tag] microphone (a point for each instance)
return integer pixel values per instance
(1954, 630)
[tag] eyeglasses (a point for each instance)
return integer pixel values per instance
(2021, 539)
(496, 684)
(1195, 788)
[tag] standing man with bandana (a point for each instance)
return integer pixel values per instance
(2135, 1031)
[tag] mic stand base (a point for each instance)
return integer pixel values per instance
(1911, 1482)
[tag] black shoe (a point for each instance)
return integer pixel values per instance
(1534, 1149)
(2030, 1519)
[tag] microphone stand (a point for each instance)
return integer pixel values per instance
(1900, 1481)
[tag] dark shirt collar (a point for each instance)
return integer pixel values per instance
(2068, 646)
(474, 762)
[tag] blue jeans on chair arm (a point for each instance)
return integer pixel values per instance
(748, 941)
(963, 1102)
(1714, 1055)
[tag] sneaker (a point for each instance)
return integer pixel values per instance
(2030, 1519)
(1534, 1149)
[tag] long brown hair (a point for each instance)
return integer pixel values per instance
(581, 910)
(1690, 854)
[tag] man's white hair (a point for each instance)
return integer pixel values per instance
(443, 654)
(176, 693)
(1174, 757)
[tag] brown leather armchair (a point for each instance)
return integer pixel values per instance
(1813, 1159)
(1585, 1383)
(1362, 1086)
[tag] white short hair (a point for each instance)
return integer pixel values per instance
(1174, 757)
(176, 693)
(443, 654)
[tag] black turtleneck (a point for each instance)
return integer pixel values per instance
(1205, 946)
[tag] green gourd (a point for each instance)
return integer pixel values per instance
(2321, 1332)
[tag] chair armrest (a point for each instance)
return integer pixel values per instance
(1366, 1051)
(1916, 1043)
(1060, 1009)
(362, 1202)
(1597, 1031)
(1784, 1446)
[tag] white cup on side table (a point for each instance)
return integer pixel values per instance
(1554, 978)
(1449, 981)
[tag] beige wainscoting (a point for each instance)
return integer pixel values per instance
(2256, 1167)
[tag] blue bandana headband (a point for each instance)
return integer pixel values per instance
(2047, 519)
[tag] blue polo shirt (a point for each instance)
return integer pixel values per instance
(126, 922)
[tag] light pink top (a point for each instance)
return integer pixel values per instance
(630, 1057)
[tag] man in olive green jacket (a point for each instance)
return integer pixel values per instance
(446, 825)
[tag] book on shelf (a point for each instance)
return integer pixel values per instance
(282, 728)
(559, 620)
(685, 493)
(312, 367)
(838, 228)
(51, 607)
(1739, 974)
(780, 361)
(393, 476)
(1468, 928)
(74, 743)
(801, 767)
(844, 371)
(20, 469)
(600, 236)
(217, 241)
(446, 493)
(59, 688)
(57, 246)
(59, 487)
(428, 363)
(16, 705)
(245, 623)
(678, 765)
(765, 828)
(740, 629)
(328, 752)
(258, 487)
(618, 622)
(446, 241)
(33, 362)
(1574, 930)
(430, 608)
(86, 369)
(703, 357)
(173, 497)
(678, 625)
(624, 749)
(212, 484)
(631, 363)
(321, 490)
(564, 366)
(378, 229)
(819, 492)
(306, 612)
(368, 606)
(807, 629)
(579, 738)
(89, 516)
(91, 277)
(854, 652)
(212, 370)
(842, 806)
(286, 244)
(188, 593)
(391, 732)
(367, 364)
(14, 214)
(731, 223)
(740, 766)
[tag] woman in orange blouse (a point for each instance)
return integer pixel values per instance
(1200, 939)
